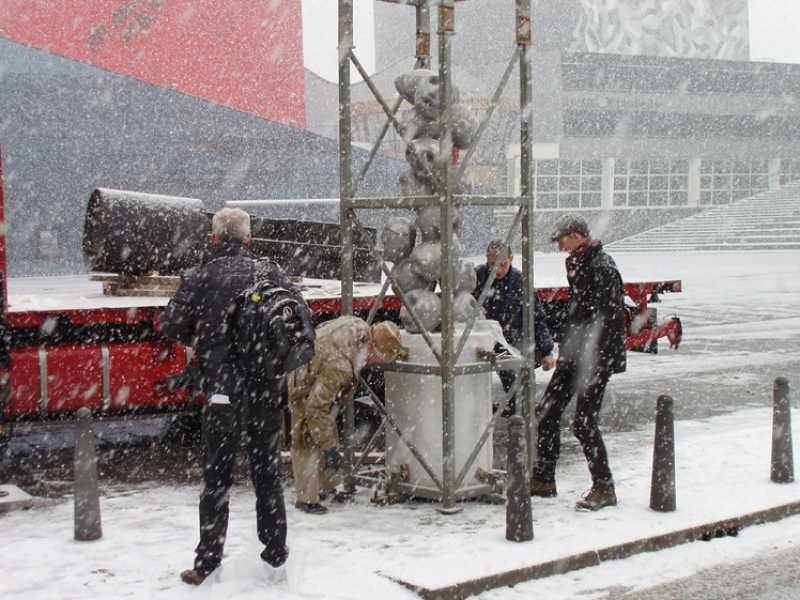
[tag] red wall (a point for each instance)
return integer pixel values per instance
(246, 55)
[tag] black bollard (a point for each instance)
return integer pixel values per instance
(519, 519)
(87, 493)
(782, 470)
(662, 485)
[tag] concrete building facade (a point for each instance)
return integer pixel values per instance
(644, 110)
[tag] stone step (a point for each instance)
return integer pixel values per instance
(707, 247)
(718, 232)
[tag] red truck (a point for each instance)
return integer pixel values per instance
(66, 345)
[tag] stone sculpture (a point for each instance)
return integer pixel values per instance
(417, 269)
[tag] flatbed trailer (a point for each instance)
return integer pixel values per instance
(67, 345)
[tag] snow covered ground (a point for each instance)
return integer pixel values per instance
(741, 315)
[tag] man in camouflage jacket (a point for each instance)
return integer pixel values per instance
(318, 390)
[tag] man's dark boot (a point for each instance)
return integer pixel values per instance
(192, 577)
(543, 489)
(598, 497)
(275, 558)
(311, 508)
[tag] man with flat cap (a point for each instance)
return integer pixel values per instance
(323, 387)
(592, 348)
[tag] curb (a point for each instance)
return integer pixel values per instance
(13, 498)
(591, 558)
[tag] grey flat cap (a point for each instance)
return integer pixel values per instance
(567, 224)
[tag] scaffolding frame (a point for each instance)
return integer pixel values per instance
(448, 201)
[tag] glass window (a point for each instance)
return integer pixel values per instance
(546, 184)
(739, 194)
(721, 166)
(637, 199)
(705, 166)
(705, 197)
(569, 200)
(621, 166)
(705, 182)
(620, 199)
(570, 167)
(592, 183)
(659, 167)
(721, 197)
(638, 182)
(658, 198)
(640, 167)
(759, 166)
(721, 182)
(569, 184)
(594, 167)
(679, 198)
(678, 182)
(592, 200)
(741, 182)
(658, 182)
(546, 201)
(679, 166)
(547, 167)
(741, 167)
(759, 182)
(620, 183)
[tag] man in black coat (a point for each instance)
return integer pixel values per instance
(504, 305)
(592, 348)
(234, 413)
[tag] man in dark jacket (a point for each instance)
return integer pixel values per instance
(234, 412)
(592, 348)
(504, 305)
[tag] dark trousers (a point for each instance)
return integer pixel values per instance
(223, 426)
(568, 381)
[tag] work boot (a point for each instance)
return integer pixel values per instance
(192, 577)
(598, 497)
(275, 558)
(314, 508)
(543, 489)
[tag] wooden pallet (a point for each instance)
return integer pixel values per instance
(116, 284)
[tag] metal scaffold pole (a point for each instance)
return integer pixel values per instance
(346, 216)
(523, 22)
(447, 208)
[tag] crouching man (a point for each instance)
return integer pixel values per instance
(323, 387)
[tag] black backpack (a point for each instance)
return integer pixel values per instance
(273, 330)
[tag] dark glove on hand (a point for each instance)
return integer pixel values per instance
(333, 459)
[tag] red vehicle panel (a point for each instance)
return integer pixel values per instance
(24, 384)
(137, 369)
(74, 378)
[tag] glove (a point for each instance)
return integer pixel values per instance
(333, 459)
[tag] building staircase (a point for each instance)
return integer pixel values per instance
(767, 221)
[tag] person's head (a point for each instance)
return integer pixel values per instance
(499, 252)
(570, 232)
(230, 224)
(385, 343)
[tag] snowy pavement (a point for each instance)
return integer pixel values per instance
(149, 533)
(741, 314)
